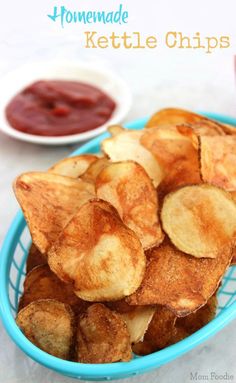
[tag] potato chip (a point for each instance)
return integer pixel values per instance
(48, 202)
(233, 260)
(229, 129)
(193, 322)
(159, 333)
(49, 325)
(73, 166)
(178, 281)
(94, 169)
(129, 189)
(102, 257)
(218, 161)
(115, 129)
(35, 258)
(127, 146)
(176, 154)
(42, 283)
(172, 116)
(200, 219)
(102, 336)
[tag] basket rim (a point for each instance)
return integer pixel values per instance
(109, 370)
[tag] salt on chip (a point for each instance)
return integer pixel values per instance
(127, 146)
(96, 252)
(178, 281)
(218, 161)
(158, 334)
(48, 202)
(73, 166)
(42, 283)
(200, 219)
(102, 336)
(129, 189)
(174, 116)
(49, 325)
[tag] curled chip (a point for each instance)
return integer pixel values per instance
(42, 283)
(137, 318)
(102, 336)
(129, 189)
(94, 169)
(35, 258)
(127, 146)
(102, 257)
(158, 334)
(175, 150)
(48, 324)
(171, 116)
(137, 321)
(73, 166)
(218, 161)
(178, 281)
(48, 202)
(200, 220)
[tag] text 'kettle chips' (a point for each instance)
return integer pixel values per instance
(129, 189)
(101, 256)
(200, 220)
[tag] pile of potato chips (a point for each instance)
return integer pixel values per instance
(130, 246)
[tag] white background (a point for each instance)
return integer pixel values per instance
(160, 77)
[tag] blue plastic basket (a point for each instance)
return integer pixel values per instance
(12, 273)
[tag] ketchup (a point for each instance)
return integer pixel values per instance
(59, 108)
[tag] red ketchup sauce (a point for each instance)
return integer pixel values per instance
(59, 108)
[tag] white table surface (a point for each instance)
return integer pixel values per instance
(193, 81)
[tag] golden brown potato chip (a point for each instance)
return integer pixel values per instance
(73, 166)
(127, 146)
(233, 260)
(102, 336)
(218, 161)
(48, 202)
(178, 281)
(200, 219)
(170, 147)
(129, 189)
(102, 257)
(174, 150)
(42, 283)
(49, 325)
(35, 258)
(94, 169)
(159, 332)
(173, 116)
